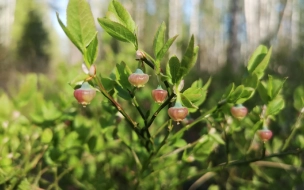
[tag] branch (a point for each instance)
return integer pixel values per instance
(243, 162)
(202, 180)
(151, 64)
(132, 123)
(294, 129)
(135, 103)
(159, 109)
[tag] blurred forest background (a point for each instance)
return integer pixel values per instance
(226, 31)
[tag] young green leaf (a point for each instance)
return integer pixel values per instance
(217, 138)
(122, 15)
(236, 94)
(206, 86)
(275, 106)
(70, 35)
(188, 60)
(228, 91)
(78, 80)
(174, 65)
(122, 74)
(118, 31)
(274, 86)
(91, 51)
(159, 39)
(187, 103)
(246, 95)
(165, 48)
(262, 89)
(256, 57)
(259, 61)
(47, 135)
(251, 81)
(80, 22)
(107, 83)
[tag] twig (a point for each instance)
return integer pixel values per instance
(202, 180)
(242, 162)
(159, 109)
(132, 123)
(294, 129)
(151, 64)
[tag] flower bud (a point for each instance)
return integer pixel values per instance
(178, 112)
(265, 134)
(138, 78)
(159, 95)
(140, 55)
(239, 111)
(84, 94)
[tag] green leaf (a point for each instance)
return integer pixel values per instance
(228, 91)
(121, 92)
(274, 86)
(122, 15)
(70, 35)
(80, 24)
(27, 90)
(206, 86)
(118, 31)
(262, 89)
(187, 103)
(251, 81)
(78, 80)
(259, 61)
(298, 98)
(25, 185)
(159, 39)
(6, 103)
(257, 57)
(165, 48)
(217, 138)
(180, 143)
(90, 54)
(47, 136)
(275, 106)
(92, 142)
(80, 21)
(236, 94)
(122, 74)
(107, 83)
(71, 140)
(189, 59)
(174, 65)
(124, 134)
(247, 93)
(196, 94)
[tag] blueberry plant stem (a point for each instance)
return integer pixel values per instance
(135, 103)
(293, 132)
(226, 144)
(151, 64)
(240, 163)
(159, 109)
(176, 151)
(132, 123)
(263, 151)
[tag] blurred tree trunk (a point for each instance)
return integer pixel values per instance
(233, 48)
(140, 10)
(175, 24)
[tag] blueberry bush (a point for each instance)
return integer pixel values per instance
(127, 130)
